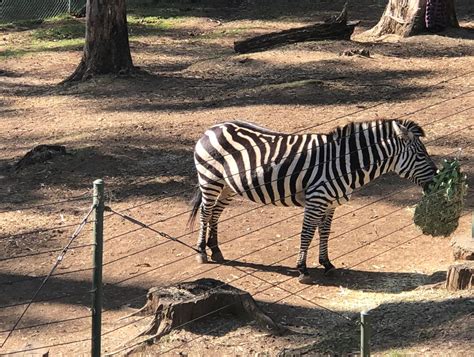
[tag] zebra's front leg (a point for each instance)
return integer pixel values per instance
(324, 229)
(312, 218)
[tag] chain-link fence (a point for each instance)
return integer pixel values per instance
(22, 10)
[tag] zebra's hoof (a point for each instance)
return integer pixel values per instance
(305, 279)
(328, 269)
(217, 257)
(201, 258)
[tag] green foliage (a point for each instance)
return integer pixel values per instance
(443, 201)
(144, 25)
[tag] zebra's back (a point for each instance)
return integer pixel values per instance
(262, 165)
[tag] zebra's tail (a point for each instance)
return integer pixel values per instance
(196, 202)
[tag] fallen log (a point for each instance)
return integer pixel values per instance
(180, 305)
(334, 29)
(460, 277)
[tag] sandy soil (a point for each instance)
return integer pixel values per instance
(138, 132)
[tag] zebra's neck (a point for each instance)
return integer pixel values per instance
(359, 153)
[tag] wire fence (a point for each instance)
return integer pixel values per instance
(24, 10)
(267, 284)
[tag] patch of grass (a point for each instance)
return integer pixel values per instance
(151, 24)
(58, 30)
(43, 46)
(12, 53)
(154, 21)
(19, 26)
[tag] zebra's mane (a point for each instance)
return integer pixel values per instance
(413, 127)
(353, 127)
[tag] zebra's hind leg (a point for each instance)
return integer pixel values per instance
(209, 197)
(222, 202)
(324, 229)
(313, 215)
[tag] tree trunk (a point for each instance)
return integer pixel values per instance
(106, 49)
(460, 276)
(410, 17)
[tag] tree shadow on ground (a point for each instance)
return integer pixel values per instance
(18, 289)
(148, 169)
(245, 82)
(394, 325)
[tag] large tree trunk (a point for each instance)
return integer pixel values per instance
(411, 17)
(106, 49)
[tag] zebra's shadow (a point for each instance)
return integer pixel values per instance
(364, 280)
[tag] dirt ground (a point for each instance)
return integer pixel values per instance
(138, 133)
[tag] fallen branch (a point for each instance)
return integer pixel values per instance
(335, 29)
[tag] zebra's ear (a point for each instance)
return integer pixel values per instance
(403, 132)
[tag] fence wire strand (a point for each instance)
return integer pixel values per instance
(55, 265)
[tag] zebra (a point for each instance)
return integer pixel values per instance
(316, 171)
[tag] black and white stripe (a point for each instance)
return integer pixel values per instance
(316, 171)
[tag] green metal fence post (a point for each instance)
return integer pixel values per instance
(365, 330)
(97, 267)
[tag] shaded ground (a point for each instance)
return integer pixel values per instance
(138, 134)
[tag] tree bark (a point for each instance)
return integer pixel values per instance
(460, 276)
(106, 48)
(408, 17)
(336, 29)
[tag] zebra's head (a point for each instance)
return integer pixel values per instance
(413, 161)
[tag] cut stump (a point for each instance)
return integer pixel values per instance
(460, 276)
(39, 154)
(463, 247)
(335, 29)
(177, 306)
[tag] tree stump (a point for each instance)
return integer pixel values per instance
(460, 277)
(335, 29)
(39, 154)
(178, 306)
(463, 247)
(410, 17)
